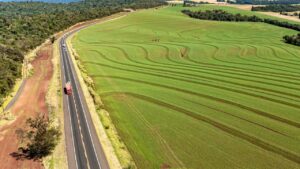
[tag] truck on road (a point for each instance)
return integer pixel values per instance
(68, 88)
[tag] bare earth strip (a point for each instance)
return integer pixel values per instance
(32, 101)
(248, 8)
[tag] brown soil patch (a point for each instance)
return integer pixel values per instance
(292, 18)
(30, 103)
(243, 7)
(275, 14)
(165, 166)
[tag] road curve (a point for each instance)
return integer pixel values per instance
(84, 150)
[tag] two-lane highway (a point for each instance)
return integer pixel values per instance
(83, 148)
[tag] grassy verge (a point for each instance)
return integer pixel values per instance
(58, 160)
(107, 133)
(6, 117)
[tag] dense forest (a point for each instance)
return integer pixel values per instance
(220, 15)
(25, 25)
(277, 8)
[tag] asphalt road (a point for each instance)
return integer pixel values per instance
(13, 101)
(83, 148)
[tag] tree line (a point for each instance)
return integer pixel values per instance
(277, 8)
(25, 25)
(220, 15)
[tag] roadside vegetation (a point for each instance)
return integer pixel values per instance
(188, 93)
(25, 25)
(108, 135)
(58, 159)
(38, 139)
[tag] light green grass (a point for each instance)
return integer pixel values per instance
(188, 93)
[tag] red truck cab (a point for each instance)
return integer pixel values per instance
(68, 88)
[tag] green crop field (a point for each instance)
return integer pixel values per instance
(187, 93)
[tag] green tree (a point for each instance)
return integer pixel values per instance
(40, 137)
(52, 39)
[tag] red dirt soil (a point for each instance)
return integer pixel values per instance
(30, 103)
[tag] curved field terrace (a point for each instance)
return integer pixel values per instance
(187, 93)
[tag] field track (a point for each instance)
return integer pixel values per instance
(186, 93)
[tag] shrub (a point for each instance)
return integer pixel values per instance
(41, 137)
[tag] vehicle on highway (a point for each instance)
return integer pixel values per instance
(68, 88)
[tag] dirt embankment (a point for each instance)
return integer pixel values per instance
(30, 103)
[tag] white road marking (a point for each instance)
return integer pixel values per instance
(72, 134)
(85, 153)
(84, 112)
(69, 108)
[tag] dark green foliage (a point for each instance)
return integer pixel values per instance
(25, 25)
(40, 137)
(52, 39)
(220, 15)
(283, 24)
(10, 69)
(277, 8)
(294, 39)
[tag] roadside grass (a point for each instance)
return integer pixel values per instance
(58, 159)
(188, 93)
(6, 117)
(114, 149)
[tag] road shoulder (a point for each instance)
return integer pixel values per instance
(58, 159)
(107, 146)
